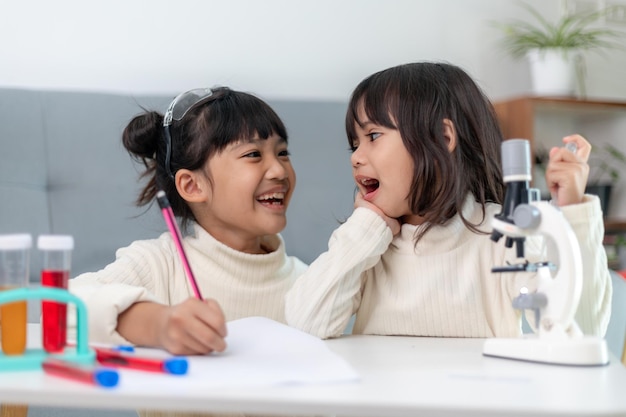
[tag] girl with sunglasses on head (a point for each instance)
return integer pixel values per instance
(221, 158)
(415, 257)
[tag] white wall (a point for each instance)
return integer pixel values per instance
(314, 49)
(283, 49)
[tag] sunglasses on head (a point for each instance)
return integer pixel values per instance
(176, 111)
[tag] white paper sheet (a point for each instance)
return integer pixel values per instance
(261, 352)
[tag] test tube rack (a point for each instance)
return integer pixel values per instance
(32, 358)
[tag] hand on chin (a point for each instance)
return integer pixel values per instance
(393, 223)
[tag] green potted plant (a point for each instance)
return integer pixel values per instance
(554, 49)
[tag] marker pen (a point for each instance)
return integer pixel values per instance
(117, 358)
(88, 374)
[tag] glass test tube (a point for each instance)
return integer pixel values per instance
(55, 272)
(14, 264)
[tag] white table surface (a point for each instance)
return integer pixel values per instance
(401, 376)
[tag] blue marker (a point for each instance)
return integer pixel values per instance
(89, 374)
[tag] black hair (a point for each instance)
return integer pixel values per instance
(228, 116)
(415, 99)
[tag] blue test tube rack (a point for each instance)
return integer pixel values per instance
(33, 358)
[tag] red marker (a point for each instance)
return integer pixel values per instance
(88, 374)
(117, 358)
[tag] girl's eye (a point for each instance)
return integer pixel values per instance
(373, 136)
(284, 153)
(354, 146)
(253, 154)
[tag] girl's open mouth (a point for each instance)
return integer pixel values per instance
(272, 199)
(369, 184)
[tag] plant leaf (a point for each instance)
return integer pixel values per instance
(572, 31)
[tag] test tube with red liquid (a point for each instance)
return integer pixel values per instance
(14, 263)
(57, 252)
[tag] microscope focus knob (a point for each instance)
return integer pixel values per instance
(527, 216)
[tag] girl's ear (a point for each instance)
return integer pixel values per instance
(449, 132)
(191, 186)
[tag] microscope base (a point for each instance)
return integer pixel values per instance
(585, 351)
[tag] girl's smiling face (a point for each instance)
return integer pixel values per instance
(382, 167)
(249, 185)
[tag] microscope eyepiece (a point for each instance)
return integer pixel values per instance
(516, 160)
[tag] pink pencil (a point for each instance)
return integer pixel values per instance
(168, 215)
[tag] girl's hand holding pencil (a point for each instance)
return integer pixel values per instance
(193, 327)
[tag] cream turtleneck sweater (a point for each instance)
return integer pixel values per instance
(443, 286)
(243, 284)
(150, 270)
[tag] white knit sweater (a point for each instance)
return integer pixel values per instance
(243, 284)
(150, 270)
(443, 286)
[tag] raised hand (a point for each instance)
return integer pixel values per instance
(567, 171)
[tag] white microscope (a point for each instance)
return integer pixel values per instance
(555, 297)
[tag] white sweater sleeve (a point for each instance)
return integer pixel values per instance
(594, 309)
(324, 298)
(133, 277)
(105, 302)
